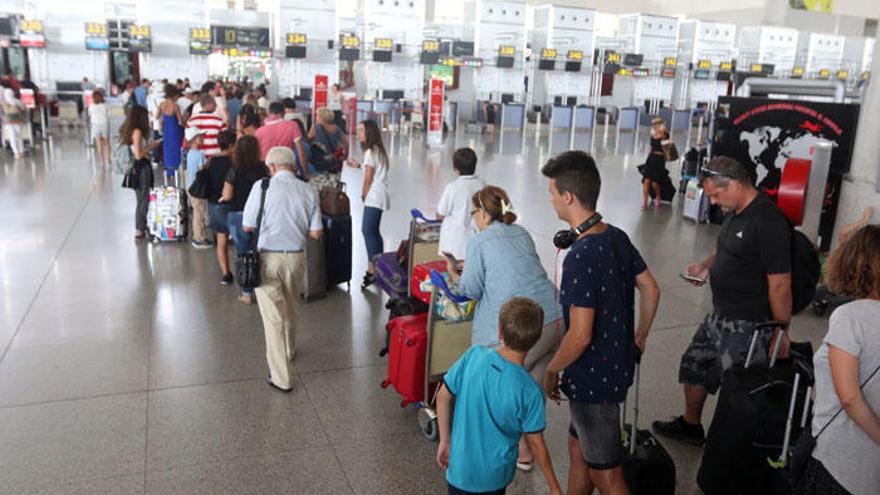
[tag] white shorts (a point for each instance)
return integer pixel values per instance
(100, 130)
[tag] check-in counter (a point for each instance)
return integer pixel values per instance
(560, 117)
(629, 118)
(681, 120)
(584, 117)
(513, 115)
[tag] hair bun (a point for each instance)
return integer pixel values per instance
(508, 218)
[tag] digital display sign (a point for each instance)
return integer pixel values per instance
(384, 44)
(572, 66)
(140, 45)
(430, 46)
(725, 66)
(545, 64)
(797, 72)
(199, 47)
(349, 54)
(824, 74)
(843, 75)
(641, 72)
(633, 59)
(668, 72)
(139, 31)
(96, 29)
(31, 34)
(548, 53)
(504, 62)
(506, 51)
(200, 34)
(670, 61)
(462, 48)
(704, 64)
(97, 43)
(701, 74)
(381, 56)
(296, 39)
(429, 58)
(236, 36)
(349, 41)
(575, 55)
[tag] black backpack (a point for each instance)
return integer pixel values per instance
(805, 271)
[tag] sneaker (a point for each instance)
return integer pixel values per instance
(680, 429)
(227, 279)
(202, 244)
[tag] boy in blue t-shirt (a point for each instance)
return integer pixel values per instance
(496, 402)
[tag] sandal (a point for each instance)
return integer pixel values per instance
(525, 466)
(369, 279)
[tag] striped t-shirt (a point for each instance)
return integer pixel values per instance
(212, 125)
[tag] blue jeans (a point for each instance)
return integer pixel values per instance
(240, 238)
(370, 229)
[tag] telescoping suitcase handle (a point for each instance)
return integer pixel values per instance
(760, 327)
(635, 424)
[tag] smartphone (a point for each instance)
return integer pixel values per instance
(691, 278)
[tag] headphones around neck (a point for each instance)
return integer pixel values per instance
(565, 238)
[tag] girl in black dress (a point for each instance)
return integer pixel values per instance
(655, 165)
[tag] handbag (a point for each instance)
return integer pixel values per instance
(334, 201)
(806, 443)
(199, 187)
(131, 179)
(670, 152)
(247, 264)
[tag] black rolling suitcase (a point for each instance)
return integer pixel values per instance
(337, 245)
(748, 442)
(648, 468)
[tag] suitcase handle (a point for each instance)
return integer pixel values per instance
(633, 435)
(417, 215)
(760, 327)
(438, 281)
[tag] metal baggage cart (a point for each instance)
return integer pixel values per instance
(447, 341)
(424, 242)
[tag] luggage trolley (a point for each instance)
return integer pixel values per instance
(424, 242)
(447, 341)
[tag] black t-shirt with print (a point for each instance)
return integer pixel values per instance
(752, 244)
(218, 169)
(242, 183)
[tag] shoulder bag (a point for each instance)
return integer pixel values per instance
(199, 187)
(247, 264)
(806, 443)
(670, 152)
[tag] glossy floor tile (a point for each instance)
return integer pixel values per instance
(127, 368)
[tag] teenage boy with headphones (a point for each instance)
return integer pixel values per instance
(597, 355)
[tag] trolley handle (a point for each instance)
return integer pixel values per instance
(440, 283)
(417, 215)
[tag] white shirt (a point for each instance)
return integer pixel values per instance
(183, 103)
(377, 196)
(99, 114)
(292, 209)
(334, 102)
(455, 206)
(263, 103)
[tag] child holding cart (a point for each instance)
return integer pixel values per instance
(496, 402)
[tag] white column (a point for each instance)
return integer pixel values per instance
(860, 185)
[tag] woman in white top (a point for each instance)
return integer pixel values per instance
(374, 192)
(846, 415)
(99, 123)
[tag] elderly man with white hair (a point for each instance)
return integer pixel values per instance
(291, 214)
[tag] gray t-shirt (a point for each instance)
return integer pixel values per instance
(846, 451)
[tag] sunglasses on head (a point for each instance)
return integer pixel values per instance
(706, 172)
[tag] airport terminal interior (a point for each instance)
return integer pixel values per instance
(127, 368)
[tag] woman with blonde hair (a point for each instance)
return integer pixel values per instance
(846, 423)
(502, 262)
(655, 166)
(326, 138)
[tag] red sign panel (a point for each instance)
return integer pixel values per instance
(435, 111)
(319, 94)
(28, 98)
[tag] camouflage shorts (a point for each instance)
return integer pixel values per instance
(718, 345)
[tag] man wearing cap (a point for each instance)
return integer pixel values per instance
(291, 214)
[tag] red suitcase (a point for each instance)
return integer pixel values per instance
(406, 357)
(420, 273)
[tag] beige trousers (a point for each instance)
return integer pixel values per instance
(199, 221)
(278, 297)
(542, 352)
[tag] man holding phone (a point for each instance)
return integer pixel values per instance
(750, 277)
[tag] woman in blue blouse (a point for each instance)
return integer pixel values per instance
(502, 263)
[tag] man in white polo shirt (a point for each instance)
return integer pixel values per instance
(291, 214)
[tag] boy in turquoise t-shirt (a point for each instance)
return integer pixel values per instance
(496, 402)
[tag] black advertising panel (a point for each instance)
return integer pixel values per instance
(723, 76)
(762, 133)
(429, 58)
(462, 48)
(545, 64)
(504, 62)
(610, 69)
(295, 51)
(237, 36)
(381, 56)
(349, 54)
(572, 66)
(633, 60)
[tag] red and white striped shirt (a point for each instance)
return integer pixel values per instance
(212, 125)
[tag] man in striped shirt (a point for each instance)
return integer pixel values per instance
(206, 120)
(208, 125)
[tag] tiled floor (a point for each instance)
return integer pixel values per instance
(126, 368)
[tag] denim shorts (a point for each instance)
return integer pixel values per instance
(719, 344)
(597, 429)
(217, 217)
